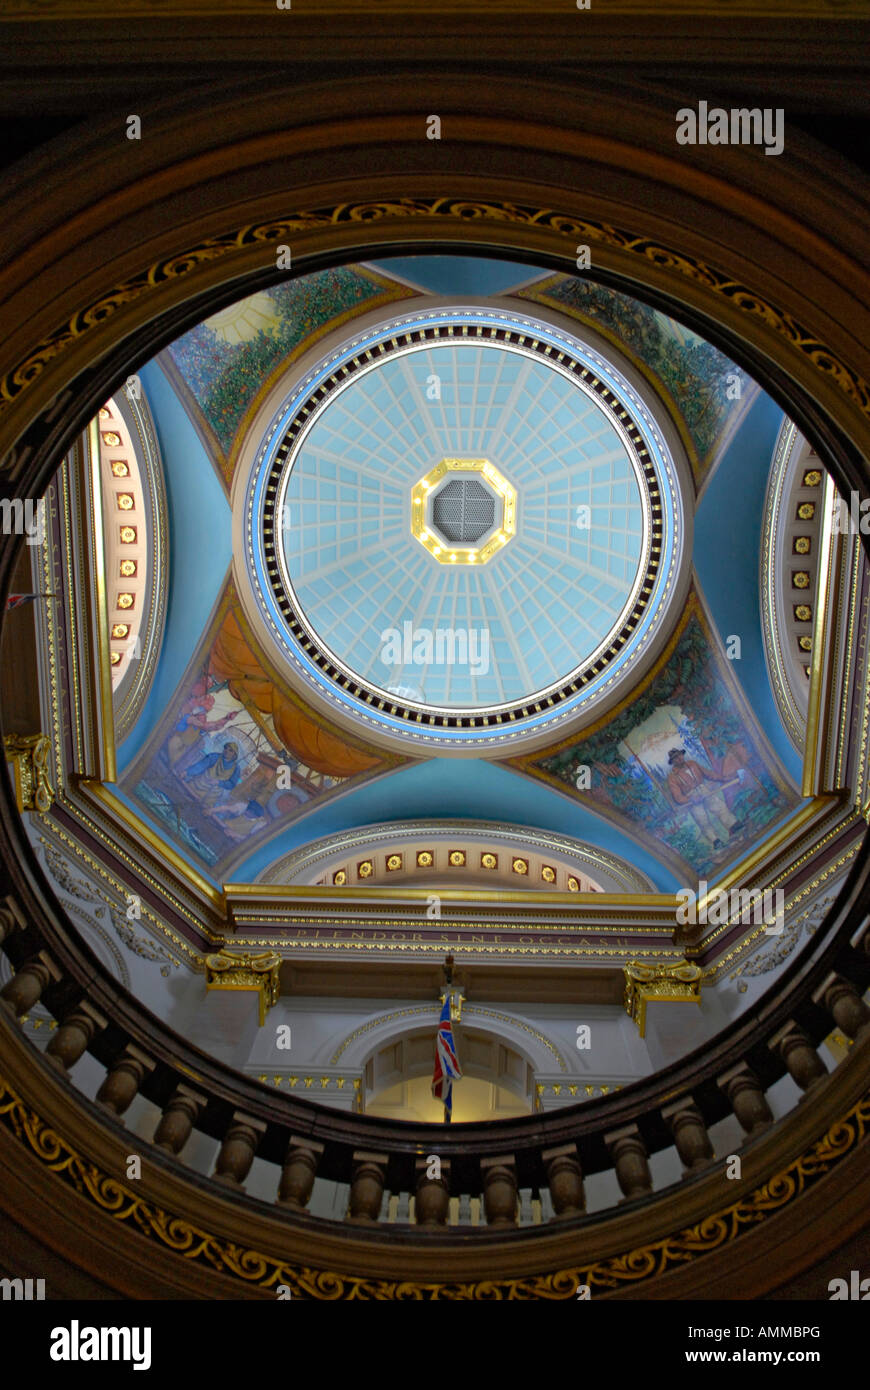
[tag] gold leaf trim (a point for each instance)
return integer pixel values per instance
(252, 1268)
(177, 266)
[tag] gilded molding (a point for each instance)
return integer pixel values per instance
(572, 1089)
(29, 755)
(192, 957)
(588, 859)
(792, 711)
(113, 1198)
(677, 983)
(237, 970)
(565, 228)
(132, 694)
(462, 553)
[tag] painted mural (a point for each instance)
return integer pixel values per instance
(237, 756)
(223, 363)
(694, 374)
(681, 762)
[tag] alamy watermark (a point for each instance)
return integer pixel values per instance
(851, 517)
(22, 1289)
(77, 1343)
(743, 905)
(21, 516)
(856, 1289)
(446, 646)
(738, 126)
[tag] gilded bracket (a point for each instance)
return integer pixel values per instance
(677, 983)
(234, 970)
(29, 754)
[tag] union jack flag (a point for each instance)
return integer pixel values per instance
(19, 600)
(446, 1063)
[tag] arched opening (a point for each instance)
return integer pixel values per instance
(497, 1080)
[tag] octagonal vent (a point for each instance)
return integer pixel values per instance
(463, 511)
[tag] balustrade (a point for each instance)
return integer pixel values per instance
(240, 1143)
(20, 993)
(179, 1116)
(367, 1186)
(73, 1037)
(565, 1180)
(433, 1194)
(123, 1080)
(299, 1172)
(805, 1066)
(845, 1005)
(499, 1190)
(686, 1123)
(746, 1096)
(618, 1133)
(631, 1161)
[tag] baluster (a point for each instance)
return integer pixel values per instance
(237, 1150)
(499, 1190)
(367, 1186)
(299, 1172)
(73, 1037)
(692, 1141)
(123, 1080)
(433, 1194)
(24, 989)
(845, 1005)
(179, 1116)
(629, 1155)
(804, 1064)
(565, 1181)
(746, 1098)
(11, 918)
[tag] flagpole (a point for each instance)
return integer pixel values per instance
(448, 973)
(446, 1064)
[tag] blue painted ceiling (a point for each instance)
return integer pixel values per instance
(727, 541)
(359, 572)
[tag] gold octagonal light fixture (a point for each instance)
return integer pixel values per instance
(463, 511)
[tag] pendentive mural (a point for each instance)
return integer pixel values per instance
(681, 764)
(236, 756)
(223, 367)
(707, 392)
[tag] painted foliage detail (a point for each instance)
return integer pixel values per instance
(701, 380)
(238, 755)
(225, 360)
(680, 762)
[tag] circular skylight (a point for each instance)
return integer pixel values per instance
(460, 524)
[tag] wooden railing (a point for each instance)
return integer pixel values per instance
(549, 1154)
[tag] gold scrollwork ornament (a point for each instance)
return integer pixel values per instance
(29, 756)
